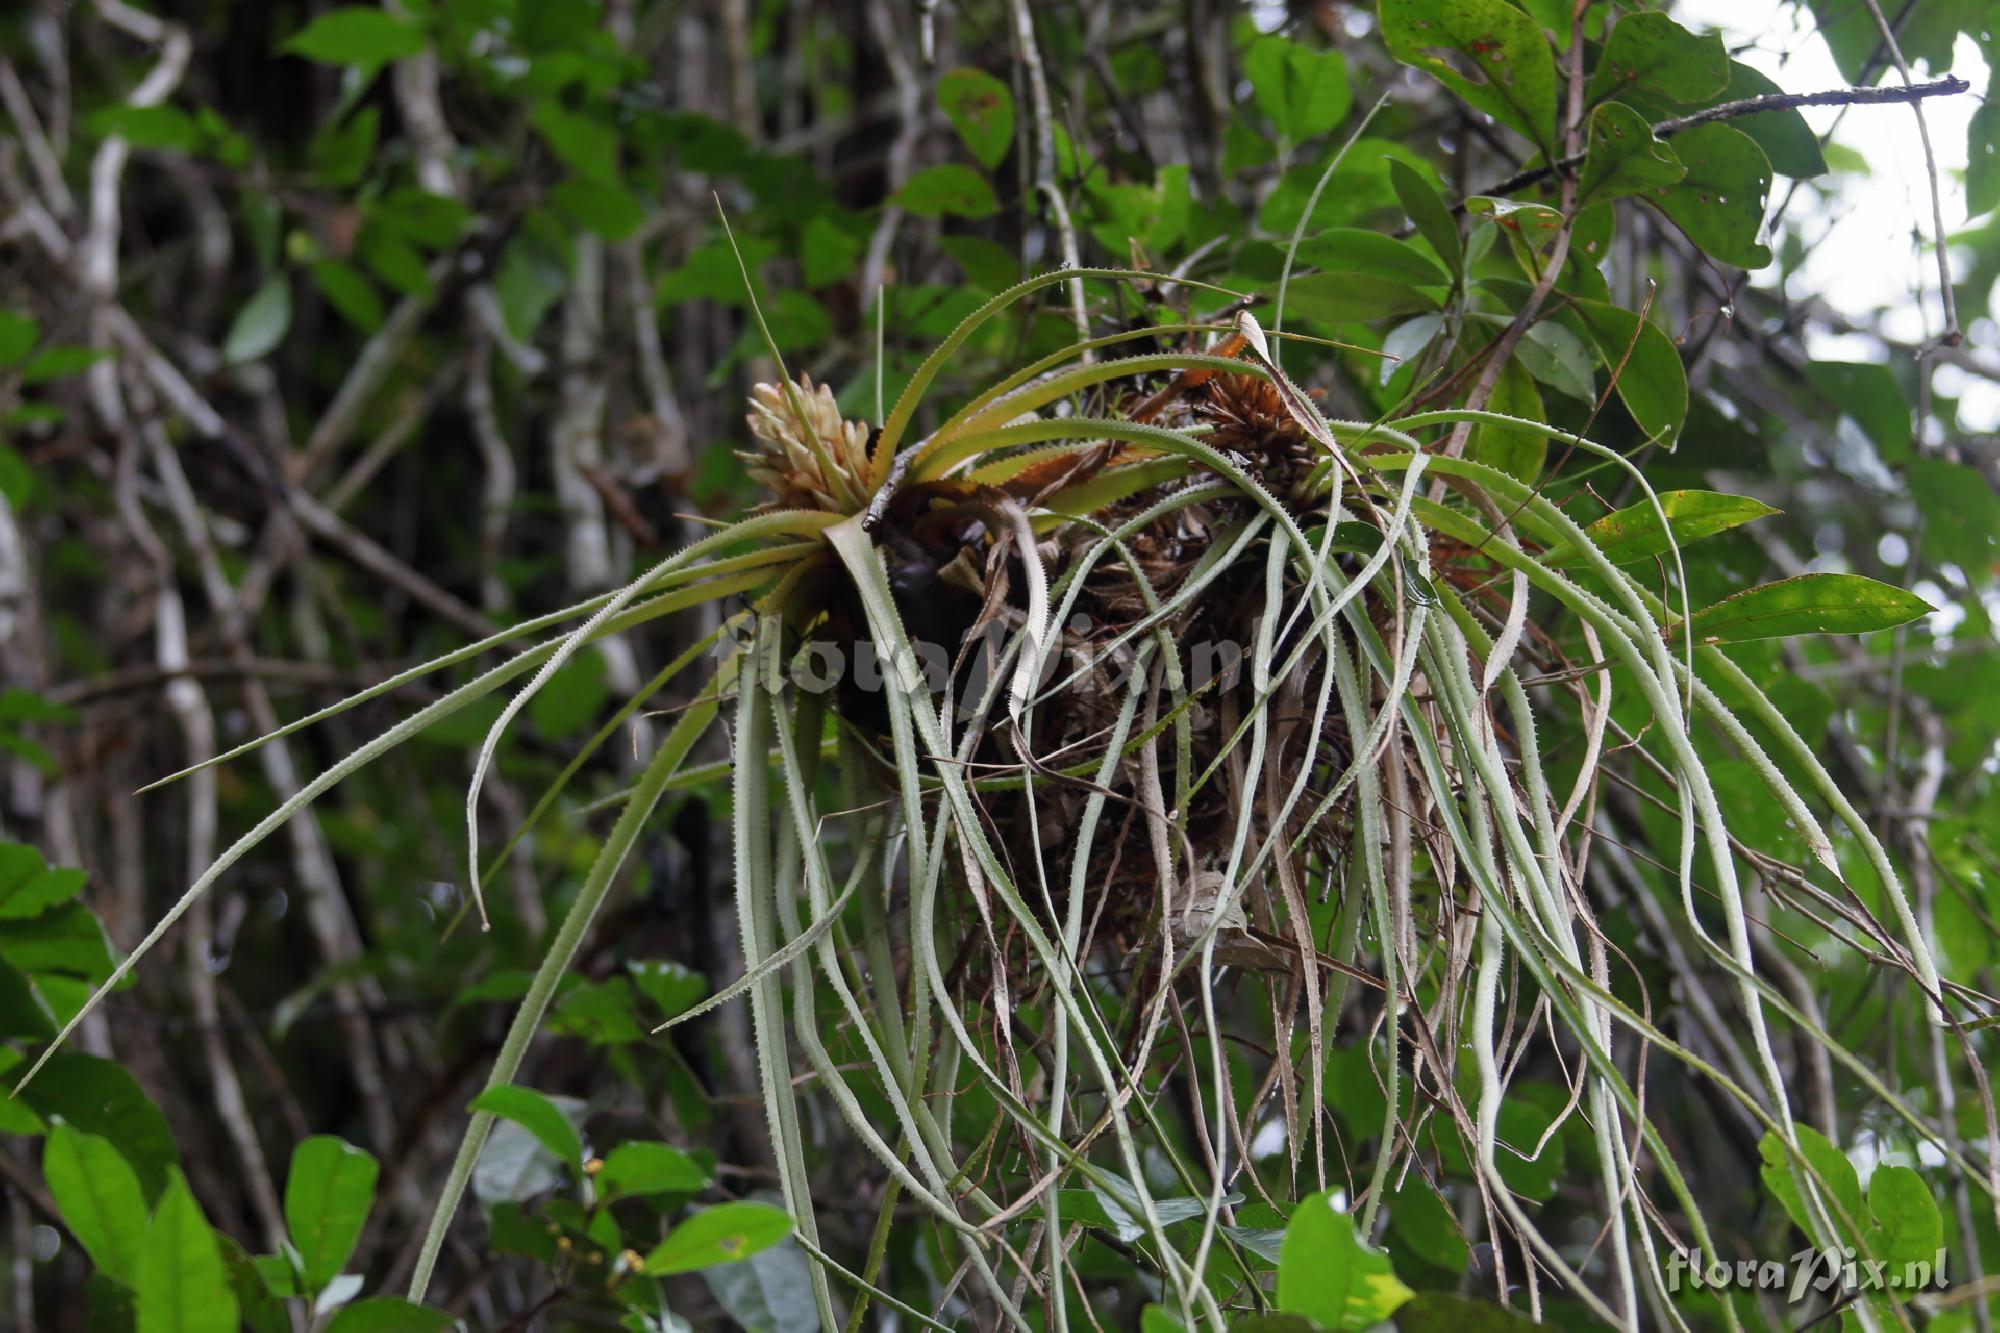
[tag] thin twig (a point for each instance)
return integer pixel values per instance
(1948, 86)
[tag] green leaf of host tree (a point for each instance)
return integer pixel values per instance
(724, 1234)
(1808, 604)
(1720, 202)
(1508, 69)
(1625, 156)
(1517, 452)
(1302, 92)
(981, 108)
(1352, 298)
(261, 324)
(1906, 1226)
(99, 1196)
(1426, 207)
(539, 1116)
(1651, 53)
(1634, 533)
(328, 1192)
(183, 1286)
(1327, 1274)
(29, 885)
(388, 1314)
(355, 35)
(947, 189)
(1652, 382)
(650, 1168)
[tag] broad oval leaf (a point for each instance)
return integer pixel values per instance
(182, 1284)
(650, 1168)
(1720, 202)
(981, 108)
(1651, 382)
(1558, 358)
(1357, 250)
(947, 189)
(724, 1234)
(1352, 298)
(1327, 1274)
(1829, 1167)
(355, 35)
(1808, 604)
(99, 1097)
(328, 1192)
(1650, 53)
(1625, 156)
(99, 1197)
(538, 1115)
(1634, 532)
(1510, 72)
(1906, 1228)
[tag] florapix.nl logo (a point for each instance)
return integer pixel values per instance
(1835, 1270)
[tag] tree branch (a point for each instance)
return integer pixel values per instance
(1948, 86)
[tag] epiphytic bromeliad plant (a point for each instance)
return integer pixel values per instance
(1145, 833)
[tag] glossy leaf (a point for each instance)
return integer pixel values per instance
(1650, 53)
(1651, 381)
(724, 1234)
(1625, 156)
(328, 1192)
(1329, 1275)
(1906, 1227)
(650, 1168)
(1516, 70)
(182, 1284)
(100, 1199)
(981, 108)
(539, 1116)
(99, 1097)
(1720, 202)
(1808, 604)
(1356, 250)
(1634, 533)
(1558, 358)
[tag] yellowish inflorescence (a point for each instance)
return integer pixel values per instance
(786, 426)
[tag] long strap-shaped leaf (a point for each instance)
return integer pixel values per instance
(562, 951)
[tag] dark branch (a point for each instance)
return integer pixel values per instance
(1748, 106)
